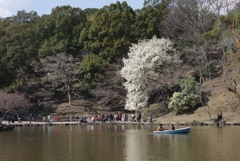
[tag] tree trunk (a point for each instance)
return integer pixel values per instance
(1, 120)
(69, 98)
(200, 92)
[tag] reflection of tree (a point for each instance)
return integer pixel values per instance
(133, 149)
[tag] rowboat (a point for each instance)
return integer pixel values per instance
(6, 127)
(176, 131)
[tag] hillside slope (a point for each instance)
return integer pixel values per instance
(221, 100)
(224, 94)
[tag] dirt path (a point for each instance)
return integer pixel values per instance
(201, 117)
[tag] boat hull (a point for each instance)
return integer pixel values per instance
(6, 127)
(176, 131)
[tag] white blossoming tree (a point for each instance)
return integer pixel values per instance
(146, 61)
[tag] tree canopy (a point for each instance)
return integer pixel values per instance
(60, 31)
(187, 98)
(99, 39)
(10, 103)
(110, 33)
(146, 60)
(61, 71)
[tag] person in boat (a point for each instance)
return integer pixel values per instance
(160, 128)
(173, 128)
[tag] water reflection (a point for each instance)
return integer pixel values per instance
(136, 144)
(118, 142)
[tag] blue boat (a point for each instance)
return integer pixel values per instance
(176, 131)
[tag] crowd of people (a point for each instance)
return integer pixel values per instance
(14, 117)
(118, 116)
(110, 117)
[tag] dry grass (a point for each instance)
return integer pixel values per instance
(221, 100)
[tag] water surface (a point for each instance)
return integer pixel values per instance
(118, 143)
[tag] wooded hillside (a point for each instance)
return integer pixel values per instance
(75, 54)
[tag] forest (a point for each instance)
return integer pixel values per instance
(106, 55)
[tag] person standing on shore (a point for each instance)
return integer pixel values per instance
(49, 119)
(126, 117)
(30, 118)
(57, 118)
(9, 119)
(137, 116)
(13, 119)
(220, 116)
(133, 118)
(111, 117)
(19, 119)
(150, 118)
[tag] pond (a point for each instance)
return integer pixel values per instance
(118, 143)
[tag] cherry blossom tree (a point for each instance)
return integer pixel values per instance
(147, 60)
(12, 102)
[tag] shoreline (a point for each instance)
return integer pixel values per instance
(66, 123)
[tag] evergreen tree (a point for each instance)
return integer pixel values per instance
(60, 31)
(187, 98)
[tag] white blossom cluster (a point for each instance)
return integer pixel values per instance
(145, 60)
